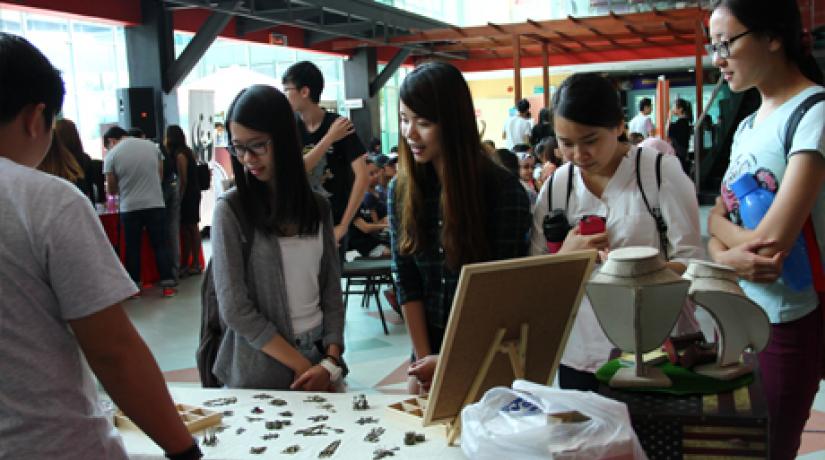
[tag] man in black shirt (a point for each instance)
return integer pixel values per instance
(333, 154)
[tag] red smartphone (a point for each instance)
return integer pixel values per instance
(590, 225)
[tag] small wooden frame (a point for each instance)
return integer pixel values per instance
(409, 410)
(195, 418)
(501, 310)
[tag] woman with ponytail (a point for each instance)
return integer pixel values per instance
(758, 44)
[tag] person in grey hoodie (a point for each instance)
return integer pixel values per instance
(282, 303)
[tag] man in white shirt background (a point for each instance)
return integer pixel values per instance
(134, 170)
(641, 122)
(518, 127)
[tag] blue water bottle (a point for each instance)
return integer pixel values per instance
(754, 202)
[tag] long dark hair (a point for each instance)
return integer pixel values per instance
(684, 106)
(175, 143)
(778, 19)
(288, 206)
(588, 99)
(437, 92)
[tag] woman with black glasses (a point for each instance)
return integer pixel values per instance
(275, 262)
(759, 44)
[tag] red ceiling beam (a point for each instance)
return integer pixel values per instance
(121, 12)
(584, 57)
(574, 26)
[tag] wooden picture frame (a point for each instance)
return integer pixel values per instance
(509, 317)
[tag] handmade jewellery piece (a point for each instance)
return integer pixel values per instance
(380, 453)
(329, 451)
(741, 323)
(210, 439)
(364, 420)
(374, 435)
(412, 438)
(637, 301)
(220, 402)
(359, 402)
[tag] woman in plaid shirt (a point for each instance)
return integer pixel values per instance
(450, 205)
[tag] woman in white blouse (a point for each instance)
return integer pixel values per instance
(604, 183)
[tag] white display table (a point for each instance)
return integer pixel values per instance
(232, 445)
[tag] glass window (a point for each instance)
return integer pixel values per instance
(389, 109)
(92, 60)
(10, 21)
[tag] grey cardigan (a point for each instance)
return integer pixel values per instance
(253, 303)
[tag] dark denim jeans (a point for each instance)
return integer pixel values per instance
(154, 220)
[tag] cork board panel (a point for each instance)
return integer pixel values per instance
(542, 291)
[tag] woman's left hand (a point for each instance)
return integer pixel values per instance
(749, 265)
(316, 378)
(423, 369)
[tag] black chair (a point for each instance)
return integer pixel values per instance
(370, 274)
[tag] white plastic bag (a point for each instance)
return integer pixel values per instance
(515, 424)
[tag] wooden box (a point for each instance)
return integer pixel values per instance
(724, 425)
(195, 418)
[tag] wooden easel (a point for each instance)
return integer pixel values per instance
(516, 350)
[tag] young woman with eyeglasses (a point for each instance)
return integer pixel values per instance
(275, 261)
(759, 44)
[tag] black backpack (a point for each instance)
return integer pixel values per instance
(204, 176)
(212, 326)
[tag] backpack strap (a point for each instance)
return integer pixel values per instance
(655, 211)
(556, 218)
(568, 168)
(569, 191)
(233, 199)
(796, 117)
(808, 230)
(550, 193)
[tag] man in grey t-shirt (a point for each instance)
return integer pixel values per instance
(60, 292)
(134, 169)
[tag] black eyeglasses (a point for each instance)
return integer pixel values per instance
(722, 48)
(256, 148)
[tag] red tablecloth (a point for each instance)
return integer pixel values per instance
(148, 268)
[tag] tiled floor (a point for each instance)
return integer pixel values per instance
(377, 361)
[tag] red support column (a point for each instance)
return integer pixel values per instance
(545, 73)
(516, 68)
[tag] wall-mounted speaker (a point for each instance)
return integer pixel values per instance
(137, 109)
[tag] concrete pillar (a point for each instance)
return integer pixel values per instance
(149, 50)
(359, 71)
